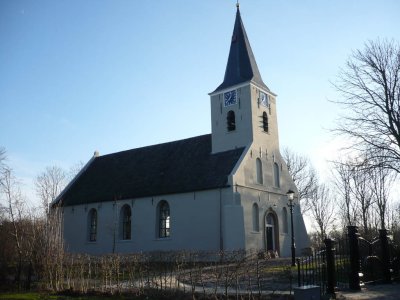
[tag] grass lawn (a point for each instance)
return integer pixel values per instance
(152, 295)
(40, 296)
(26, 296)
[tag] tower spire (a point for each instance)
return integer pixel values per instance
(241, 66)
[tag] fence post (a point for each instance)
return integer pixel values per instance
(354, 276)
(330, 266)
(298, 273)
(387, 276)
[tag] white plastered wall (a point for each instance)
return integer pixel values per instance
(195, 224)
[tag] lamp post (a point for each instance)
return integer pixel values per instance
(290, 195)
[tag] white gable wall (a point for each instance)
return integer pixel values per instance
(268, 198)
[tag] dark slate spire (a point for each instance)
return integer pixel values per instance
(241, 66)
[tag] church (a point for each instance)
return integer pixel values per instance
(222, 191)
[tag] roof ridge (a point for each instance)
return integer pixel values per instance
(155, 145)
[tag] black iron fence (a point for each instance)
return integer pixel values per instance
(350, 262)
(327, 267)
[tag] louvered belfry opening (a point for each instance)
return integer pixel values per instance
(265, 121)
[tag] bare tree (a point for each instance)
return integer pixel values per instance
(303, 174)
(28, 240)
(370, 86)
(2, 155)
(394, 218)
(364, 185)
(49, 184)
(342, 174)
(353, 182)
(362, 192)
(50, 244)
(381, 182)
(322, 210)
(2, 174)
(74, 170)
(11, 194)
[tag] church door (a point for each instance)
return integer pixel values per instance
(270, 232)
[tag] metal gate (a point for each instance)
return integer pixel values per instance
(350, 262)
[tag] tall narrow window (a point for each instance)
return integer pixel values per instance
(256, 225)
(265, 121)
(164, 221)
(285, 220)
(276, 175)
(125, 222)
(92, 225)
(230, 119)
(259, 171)
(270, 232)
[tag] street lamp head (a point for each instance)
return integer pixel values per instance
(290, 195)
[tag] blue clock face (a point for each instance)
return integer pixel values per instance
(230, 98)
(264, 99)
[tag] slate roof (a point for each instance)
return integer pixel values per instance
(174, 167)
(241, 66)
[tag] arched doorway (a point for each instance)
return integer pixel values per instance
(271, 232)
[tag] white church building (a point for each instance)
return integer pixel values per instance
(220, 191)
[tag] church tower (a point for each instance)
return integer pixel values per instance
(243, 108)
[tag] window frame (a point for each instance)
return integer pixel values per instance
(164, 220)
(285, 227)
(259, 171)
(277, 181)
(92, 225)
(126, 222)
(255, 212)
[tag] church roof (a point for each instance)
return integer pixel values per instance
(241, 66)
(175, 167)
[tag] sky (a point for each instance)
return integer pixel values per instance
(79, 76)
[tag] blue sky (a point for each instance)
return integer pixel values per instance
(79, 76)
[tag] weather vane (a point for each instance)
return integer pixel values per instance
(237, 3)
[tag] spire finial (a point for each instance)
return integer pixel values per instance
(237, 4)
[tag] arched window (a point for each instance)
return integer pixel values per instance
(164, 220)
(265, 121)
(284, 220)
(125, 222)
(255, 214)
(230, 119)
(276, 175)
(92, 225)
(259, 171)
